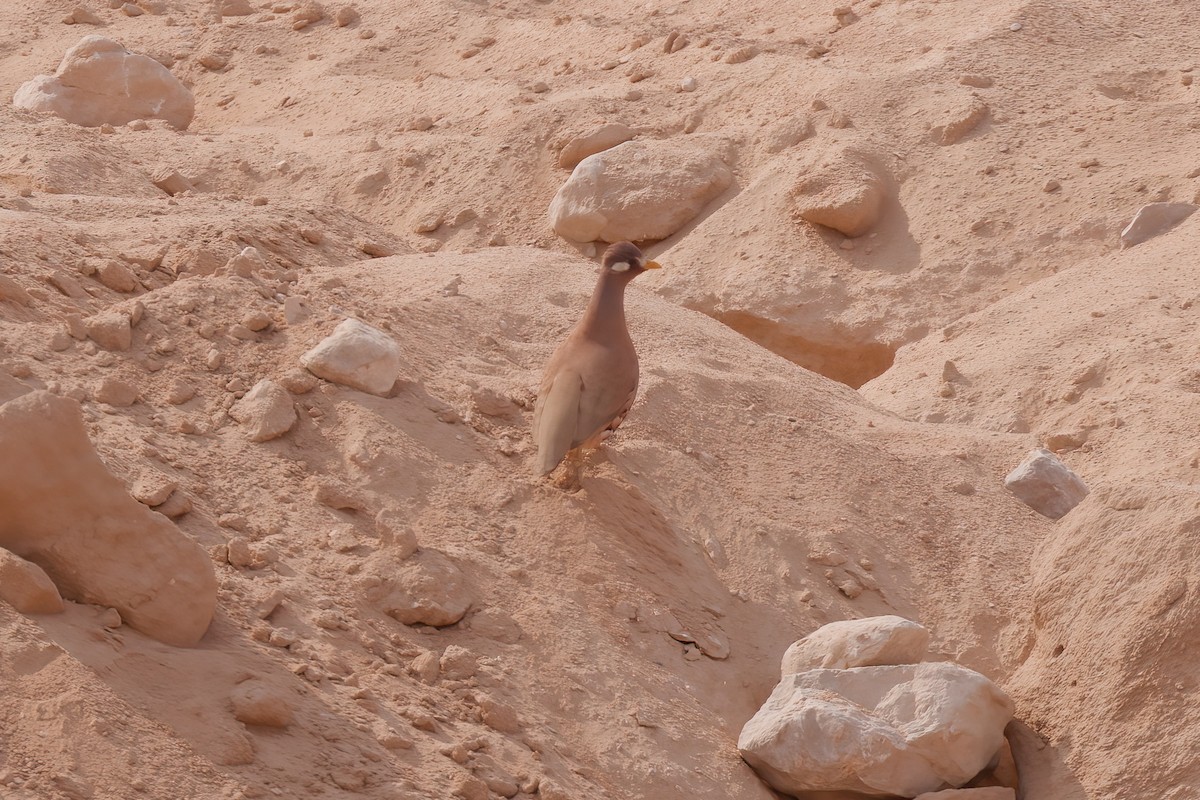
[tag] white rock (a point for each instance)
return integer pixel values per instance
(597, 141)
(356, 355)
(100, 82)
(1155, 219)
(871, 642)
(1046, 484)
(424, 589)
(26, 586)
(637, 191)
(688, 84)
(880, 731)
(61, 508)
(266, 411)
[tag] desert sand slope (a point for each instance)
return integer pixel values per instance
(726, 504)
(745, 501)
(1109, 377)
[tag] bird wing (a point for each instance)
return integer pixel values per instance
(555, 420)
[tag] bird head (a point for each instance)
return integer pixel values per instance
(626, 257)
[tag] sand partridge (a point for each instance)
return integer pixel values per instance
(592, 378)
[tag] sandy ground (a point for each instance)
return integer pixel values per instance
(747, 496)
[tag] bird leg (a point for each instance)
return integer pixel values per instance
(572, 469)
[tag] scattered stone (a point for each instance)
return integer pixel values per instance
(374, 249)
(258, 703)
(13, 292)
(110, 619)
(890, 730)
(394, 532)
(961, 121)
(688, 84)
(1046, 484)
(1051, 186)
(81, 15)
(499, 716)
(296, 310)
(471, 788)
(976, 81)
(346, 15)
(240, 553)
(637, 191)
(675, 42)
(170, 181)
(117, 276)
(1153, 220)
(312, 236)
(299, 381)
(176, 505)
(740, 55)
(266, 411)
(153, 489)
(356, 355)
(597, 141)
(257, 321)
(61, 508)
(845, 194)
(426, 667)
(420, 123)
(116, 392)
(26, 586)
(870, 642)
(426, 589)
(236, 8)
(68, 285)
(111, 330)
(132, 10)
(306, 14)
(246, 263)
(337, 495)
(788, 133)
(458, 663)
(100, 82)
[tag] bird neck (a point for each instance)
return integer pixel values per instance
(606, 310)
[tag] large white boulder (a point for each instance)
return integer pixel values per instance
(356, 355)
(1046, 484)
(99, 81)
(880, 731)
(62, 509)
(1153, 220)
(871, 642)
(637, 191)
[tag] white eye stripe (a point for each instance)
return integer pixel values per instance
(620, 266)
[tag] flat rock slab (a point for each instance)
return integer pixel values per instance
(1046, 484)
(99, 82)
(62, 509)
(1153, 220)
(879, 731)
(870, 642)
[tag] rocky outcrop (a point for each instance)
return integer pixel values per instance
(100, 82)
(62, 509)
(638, 191)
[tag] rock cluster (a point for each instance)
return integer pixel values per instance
(870, 726)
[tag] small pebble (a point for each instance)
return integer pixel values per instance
(688, 84)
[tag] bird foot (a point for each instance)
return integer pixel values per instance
(569, 477)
